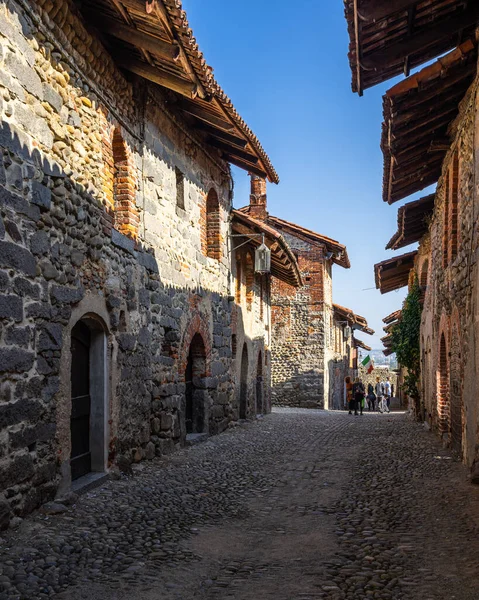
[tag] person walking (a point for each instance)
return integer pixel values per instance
(379, 393)
(371, 397)
(388, 393)
(358, 396)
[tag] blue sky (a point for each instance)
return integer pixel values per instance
(284, 66)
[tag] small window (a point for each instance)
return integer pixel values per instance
(180, 189)
(233, 345)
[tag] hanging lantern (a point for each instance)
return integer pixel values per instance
(262, 259)
(347, 332)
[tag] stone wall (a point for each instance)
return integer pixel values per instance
(449, 326)
(298, 336)
(95, 227)
(251, 327)
(340, 365)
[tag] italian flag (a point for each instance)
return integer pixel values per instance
(368, 363)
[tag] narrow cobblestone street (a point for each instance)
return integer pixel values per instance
(300, 505)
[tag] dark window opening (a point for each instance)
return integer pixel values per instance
(180, 189)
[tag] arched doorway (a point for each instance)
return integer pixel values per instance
(88, 398)
(455, 388)
(195, 421)
(243, 399)
(443, 389)
(259, 385)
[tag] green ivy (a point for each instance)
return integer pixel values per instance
(405, 342)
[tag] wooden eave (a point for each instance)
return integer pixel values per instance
(284, 265)
(392, 317)
(340, 253)
(152, 39)
(393, 37)
(418, 114)
(413, 222)
(393, 274)
(361, 344)
(388, 351)
(354, 320)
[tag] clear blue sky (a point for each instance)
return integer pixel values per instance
(284, 65)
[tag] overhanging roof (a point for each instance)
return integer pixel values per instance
(418, 113)
(393, 273)
(361, 344)
(152, 39)
(413, 220)
(390, 37)
(392, 317)
(340, 253)
(284, 265)
(356, 321)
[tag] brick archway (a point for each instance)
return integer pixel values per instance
(199, 326)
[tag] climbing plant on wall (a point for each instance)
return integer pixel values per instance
(405, 342)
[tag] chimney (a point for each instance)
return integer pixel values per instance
(257, 199)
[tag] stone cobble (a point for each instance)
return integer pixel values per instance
(299, 505)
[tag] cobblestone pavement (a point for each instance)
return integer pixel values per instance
(298, 506)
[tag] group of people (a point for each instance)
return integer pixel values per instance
(378, 397)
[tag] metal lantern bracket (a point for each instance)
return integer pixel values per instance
(248, 235)
(348, 326)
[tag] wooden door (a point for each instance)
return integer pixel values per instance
(80, 459)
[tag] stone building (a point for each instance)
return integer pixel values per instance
(251, 319)
(310, 355)
(117, 313)
(431, 120)
(345, 352)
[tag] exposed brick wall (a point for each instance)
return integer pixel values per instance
(124, 187)
(82, 158)
(299, 331)
(257, 202)
(449, 321)
(212, 226)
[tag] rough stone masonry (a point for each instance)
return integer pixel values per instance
(113, 246)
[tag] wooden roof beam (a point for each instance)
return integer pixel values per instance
(222, 135)
(142, 40)
(400, 50)
(244, 165)
(374, 10)
(233, 150)
(186, 88)
(206, 115)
